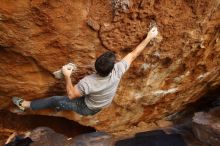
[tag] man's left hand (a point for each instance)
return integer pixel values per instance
(153, 33)
(67, 70)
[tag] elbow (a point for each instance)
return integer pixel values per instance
(71, 95)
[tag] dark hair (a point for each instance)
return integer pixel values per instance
(105, 63)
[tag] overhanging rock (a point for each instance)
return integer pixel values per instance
(38, 37)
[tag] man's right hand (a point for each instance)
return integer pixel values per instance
(152, 33)
(67, 70)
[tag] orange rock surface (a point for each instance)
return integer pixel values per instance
(38, 37)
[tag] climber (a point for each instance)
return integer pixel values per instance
(93, 92)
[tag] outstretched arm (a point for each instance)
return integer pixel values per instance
(137, 51)
(72, 91)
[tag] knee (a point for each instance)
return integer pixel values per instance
(54, 99)
(57, 99)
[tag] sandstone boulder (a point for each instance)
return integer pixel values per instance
(206, 127)
(38, 37)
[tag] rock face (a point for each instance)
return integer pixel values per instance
(206, 127)
(38, 37)
(44, 136)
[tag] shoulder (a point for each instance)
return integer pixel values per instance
(85, 84)
(121, 66)
(89, 77)
(122, 63)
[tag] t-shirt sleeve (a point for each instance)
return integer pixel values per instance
(121, 67)
(83, 86)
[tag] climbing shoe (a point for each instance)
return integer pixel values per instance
(17, 101)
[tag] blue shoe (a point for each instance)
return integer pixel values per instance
(17, 101)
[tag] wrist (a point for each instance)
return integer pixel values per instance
(67, 77)
(148, 37)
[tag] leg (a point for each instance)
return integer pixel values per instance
(59, 102)
(78, 105)
(50, 102)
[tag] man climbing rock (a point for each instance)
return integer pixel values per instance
(94, 92)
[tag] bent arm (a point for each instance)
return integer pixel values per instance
(72, 91)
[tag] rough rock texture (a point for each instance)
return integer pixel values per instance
(44, 136)
(94, 139)
(47, 137)
(206, 127)
(38, 37)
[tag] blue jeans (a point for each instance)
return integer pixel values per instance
(63, 103)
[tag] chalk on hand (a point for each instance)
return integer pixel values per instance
(59, 74)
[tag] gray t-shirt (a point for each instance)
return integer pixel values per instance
(100, 91)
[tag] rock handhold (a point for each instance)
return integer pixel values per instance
(121, 5)
(93, 24)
